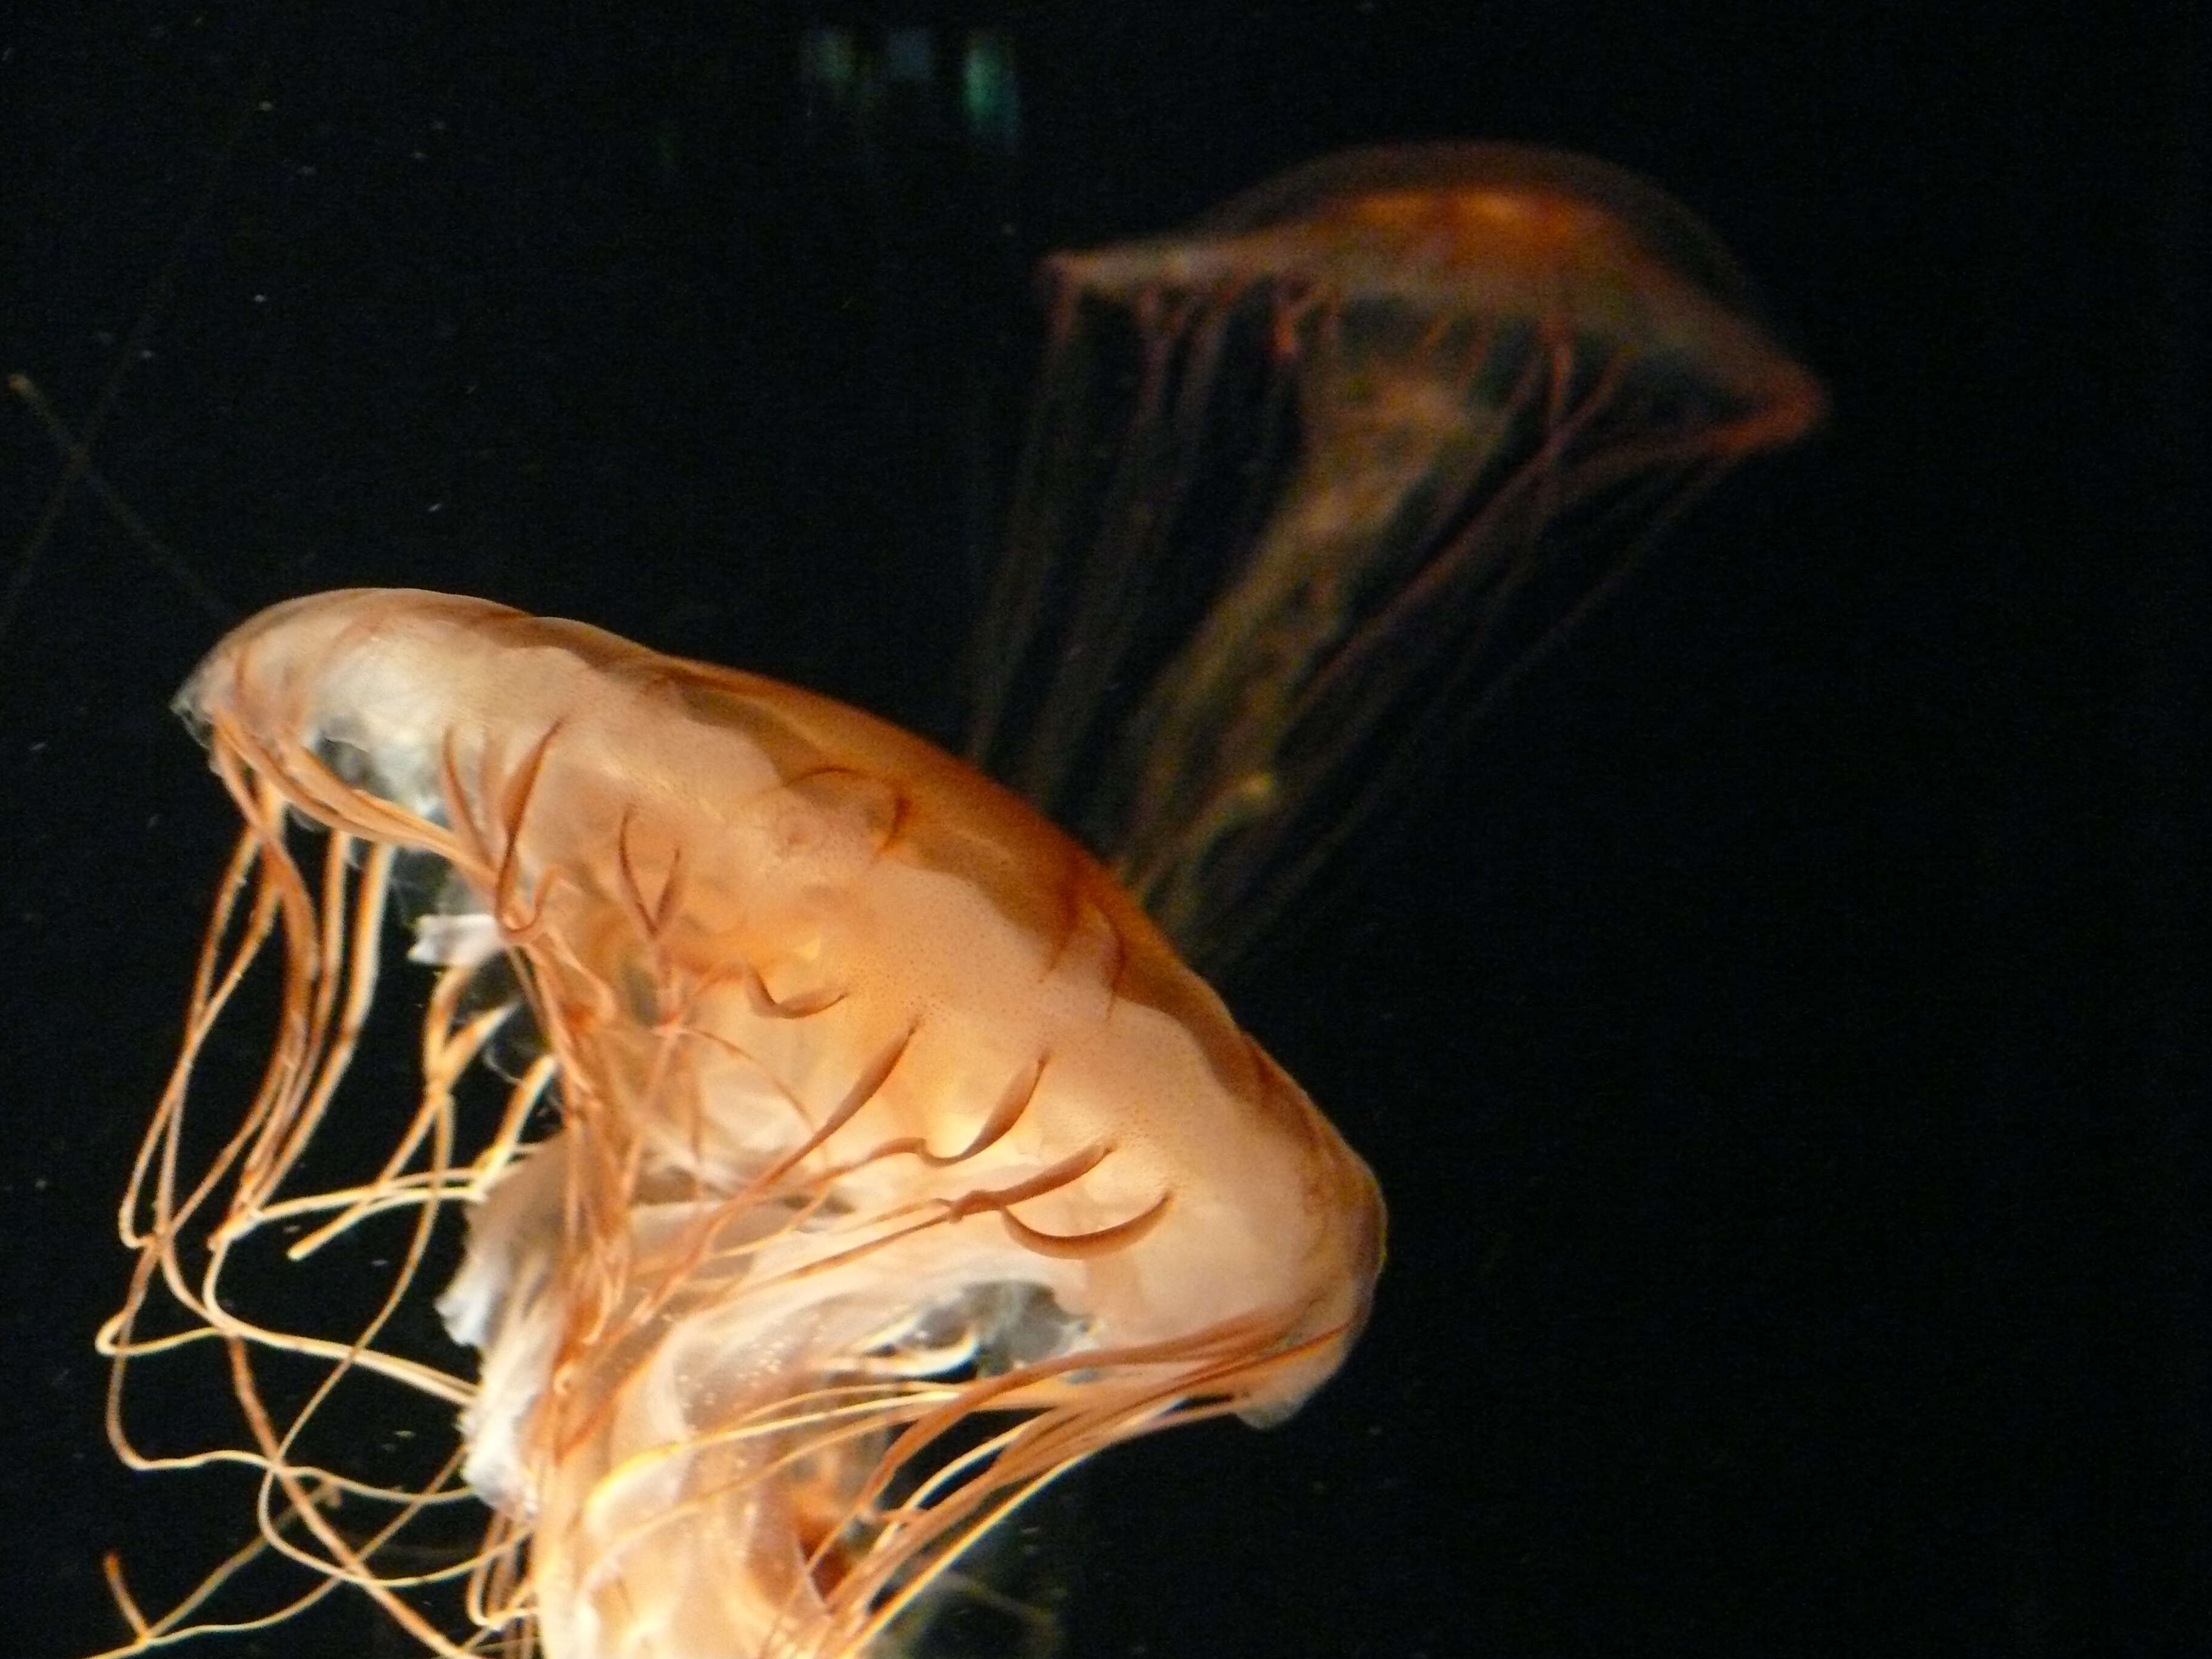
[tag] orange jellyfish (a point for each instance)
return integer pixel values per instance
(879, 1159)
(1342, 456)
(850, 1153)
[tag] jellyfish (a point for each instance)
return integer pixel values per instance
(859, 1157)
(1339, 460)
(823, 1153)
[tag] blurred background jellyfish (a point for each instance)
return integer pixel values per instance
(1354, 447)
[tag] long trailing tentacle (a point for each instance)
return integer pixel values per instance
(187, 1223)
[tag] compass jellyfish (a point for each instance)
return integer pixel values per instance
(1310, 482)
(850, 1157)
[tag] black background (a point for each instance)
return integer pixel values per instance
(1781, 1033)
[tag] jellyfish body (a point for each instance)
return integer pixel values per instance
(899, 1162)
(1346, 453)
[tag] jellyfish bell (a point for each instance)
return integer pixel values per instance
(1348, 452)
(1553, 241)
(899, 1164)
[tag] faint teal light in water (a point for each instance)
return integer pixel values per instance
(991, 91)
(828, 60)
(667, 151)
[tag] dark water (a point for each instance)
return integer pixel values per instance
(1781, 1032)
